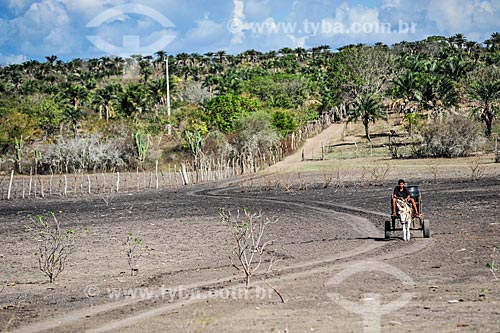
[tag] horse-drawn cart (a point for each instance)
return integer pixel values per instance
(417, 222)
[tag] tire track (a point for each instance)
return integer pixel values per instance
(363, 226)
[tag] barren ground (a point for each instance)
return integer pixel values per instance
(336, 271)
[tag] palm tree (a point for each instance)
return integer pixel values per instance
(486, 94)
(51, 59)
(406, 87)
(221, 57)
(301, 54)
(104, 98)
(494, 40)
(75, 95)
(134, 99)
(455, 68)
(159, 64)
(457, 41)
(368, 108)
(251, 56)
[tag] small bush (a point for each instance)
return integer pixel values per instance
(55, 245)
(134, 249)
(456, 137)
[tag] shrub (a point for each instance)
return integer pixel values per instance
(223, 111)
(457, 136)
(88, 154)
(54, 244)
(285, 122)
(254, 133)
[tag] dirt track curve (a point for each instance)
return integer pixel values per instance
(323, 234)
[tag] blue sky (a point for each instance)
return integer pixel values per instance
(93, 28)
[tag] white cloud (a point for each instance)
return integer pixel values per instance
(387, 4)
(206, 31)
(17, 5)
(44, 27)
(12, 59)
(90, 7)
(447, 17)
(298, 41)
(257, 9)
(239, 21)
(358, 20)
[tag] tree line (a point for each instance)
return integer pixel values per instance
(231, 105)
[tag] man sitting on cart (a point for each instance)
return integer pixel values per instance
(401, 192)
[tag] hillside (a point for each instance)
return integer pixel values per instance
(111, 113)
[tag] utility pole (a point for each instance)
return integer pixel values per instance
(169, 126)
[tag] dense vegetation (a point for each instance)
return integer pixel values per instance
(111, 113)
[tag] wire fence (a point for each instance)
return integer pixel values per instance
(206, 169)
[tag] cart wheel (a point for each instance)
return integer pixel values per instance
(387, 229)
(393, 219)
(426, 229)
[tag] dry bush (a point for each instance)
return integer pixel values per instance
(476, 169)
(88, 154)
(455, 137)
(287, 183)
(334, 177)
(301, 184)
(375, 174)
(55, 245)
(134, 250)
(434, 169)
(492, 265)
(248, 231)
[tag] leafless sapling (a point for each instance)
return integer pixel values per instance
(248, 232)
(55, 244)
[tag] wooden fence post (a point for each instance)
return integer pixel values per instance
(88, 180)
(42, 193)
(185, 177)
(65, 185)
(31, 182)
(10, 184)
(50, 182)
(138, 179)
(117, 181)
(157, 179)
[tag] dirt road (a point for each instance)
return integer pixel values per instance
(335, 270)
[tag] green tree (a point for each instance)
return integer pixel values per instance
(284, 121)
(134, 99)
(280, 90)
(487, 95)
(15, 125)
(49, 114)
(368, 108)
(105, 99)
(222, 111)
(76, 96)
(254, 135)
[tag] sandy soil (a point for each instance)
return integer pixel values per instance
(336, 271)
